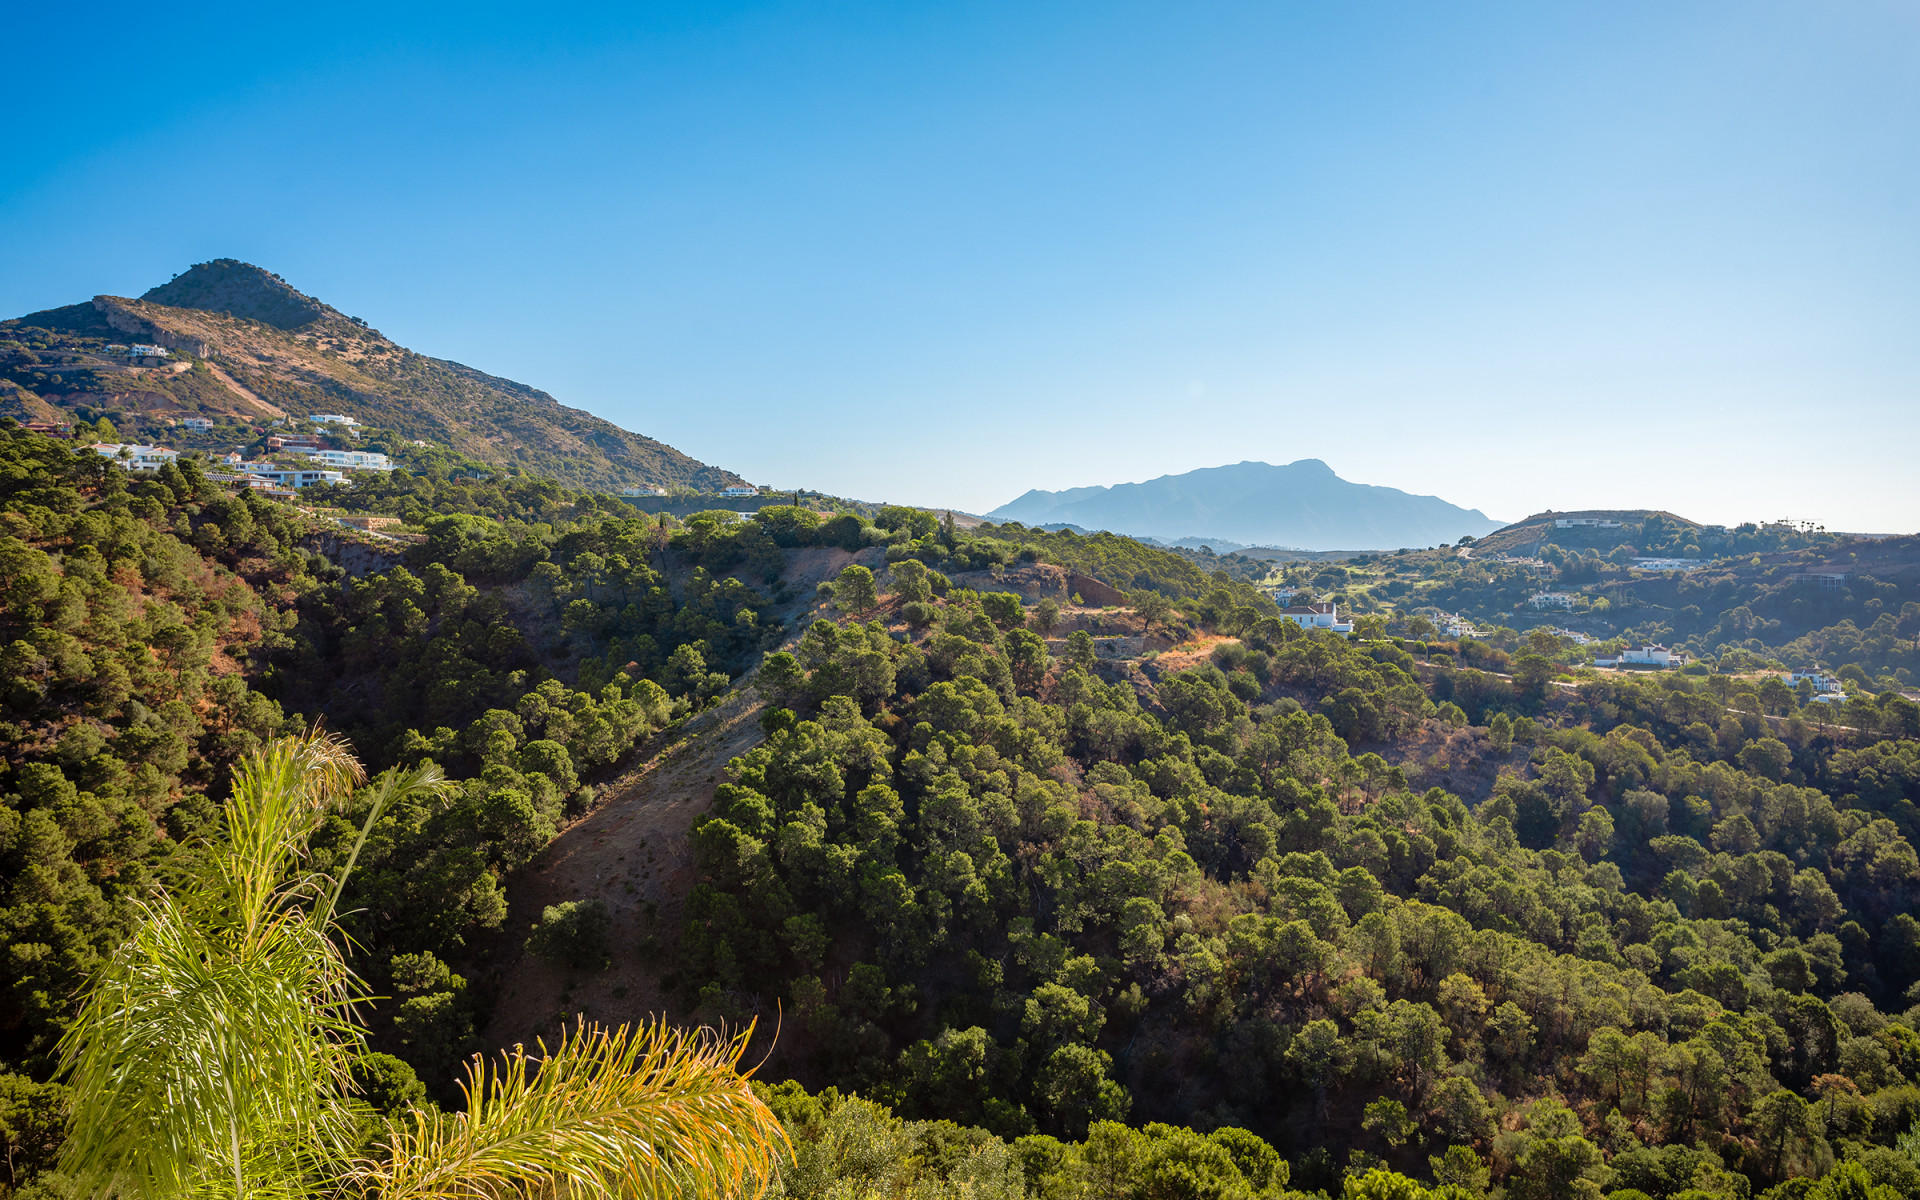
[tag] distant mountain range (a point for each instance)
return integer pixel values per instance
(1302, 505)
(246, 345)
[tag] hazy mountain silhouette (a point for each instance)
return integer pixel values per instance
(1302, 505)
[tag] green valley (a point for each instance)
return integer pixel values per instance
(1060, 865)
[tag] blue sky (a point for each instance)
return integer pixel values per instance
(1516, 255)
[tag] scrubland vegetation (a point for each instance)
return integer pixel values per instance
(1252, 911)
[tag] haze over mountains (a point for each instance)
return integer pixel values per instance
(1302, 505)
(247, 345)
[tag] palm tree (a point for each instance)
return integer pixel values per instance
(212, 1056)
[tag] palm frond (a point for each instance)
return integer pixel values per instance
(653, 1111)
(192, 1048)
(222, 1029)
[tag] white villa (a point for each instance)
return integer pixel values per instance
(1584, 523)
(1316, 616)
(1455, 626)
(1650, 655)
(139, 458)
(643, 491)
(1666, 564)
(1821, 681)
(331, 419)
(350, 460)
(1552, 600)
(295, 479)
(739, 490)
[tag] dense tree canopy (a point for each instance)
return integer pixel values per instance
(1260, 910)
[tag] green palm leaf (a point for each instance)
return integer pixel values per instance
(652, 1111)
(212, 1056)
(212, 1053)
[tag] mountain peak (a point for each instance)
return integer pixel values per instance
(1303, 504)
(281, 353)
(239, 289)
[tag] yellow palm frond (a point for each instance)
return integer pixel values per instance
(653, 1111)
(212, 1054)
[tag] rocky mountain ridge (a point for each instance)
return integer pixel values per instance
(248, 348)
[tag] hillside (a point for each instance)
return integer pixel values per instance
(1541, 529)
(248, 349)
(1302, 505)
(1021, 865)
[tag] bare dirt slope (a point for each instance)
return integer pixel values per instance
(634, 851)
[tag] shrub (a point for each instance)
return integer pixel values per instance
(573, 934)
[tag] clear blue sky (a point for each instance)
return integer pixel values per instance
(1516, 255)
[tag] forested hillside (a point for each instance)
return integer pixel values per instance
(1167, 899)
(1005, 891)
(1741, 601)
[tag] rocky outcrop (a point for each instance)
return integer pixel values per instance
(1092, 591)
(118, 314)
(1044, 581)
(357, 556)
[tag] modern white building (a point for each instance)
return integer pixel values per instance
(1316, 616)
(738, 490)
(331, 419)
(643, 491)
(200, 423)
(1666, 564)
(1552, 600)
(350, 460)
(1584, 523)
(138, 457)
(1821, 681)
(1650, 655)
(295, 479)
(143, 351)
(1455, 626)
(1831, 581)
(1572, 635)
